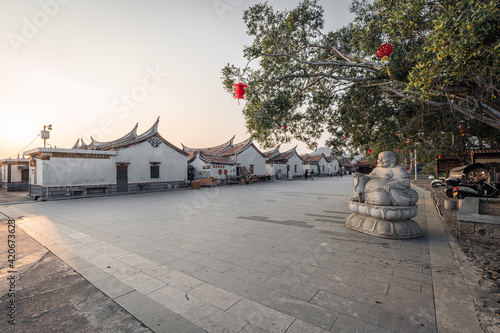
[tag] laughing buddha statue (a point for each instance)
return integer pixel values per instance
(387, 185)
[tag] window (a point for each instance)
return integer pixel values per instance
(323, 168)
(295, 168)
(154, 169)
(251, 169)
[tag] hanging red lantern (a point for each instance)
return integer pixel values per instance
(345, 136)
(410, 151)
(384, 51)
(239, 91)
(285, 126)
(369, 151)
(463, 131)
(440, 156)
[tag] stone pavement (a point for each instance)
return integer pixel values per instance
(265, 257)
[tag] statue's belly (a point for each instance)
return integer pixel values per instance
(375, 184)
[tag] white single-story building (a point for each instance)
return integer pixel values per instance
(245, 154)
(206, 165)
(286, 165)
(131, 163)
(333, 165)
(14, 174)
(316, 163)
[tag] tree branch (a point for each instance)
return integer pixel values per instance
(464, 110)
(352, 79)
(323, 63)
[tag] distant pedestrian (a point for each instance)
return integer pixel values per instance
(306, 174)
(331, 174)
(312, 174)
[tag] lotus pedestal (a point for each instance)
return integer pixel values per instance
(384, 221)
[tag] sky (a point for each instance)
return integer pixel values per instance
(98, 67)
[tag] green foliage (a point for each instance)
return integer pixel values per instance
(444, 73)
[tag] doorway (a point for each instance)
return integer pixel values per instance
(122, 178)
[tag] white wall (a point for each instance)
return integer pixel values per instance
(76, 171)
(296, 160)
(252, 156)
(173, 165)
(323, 165)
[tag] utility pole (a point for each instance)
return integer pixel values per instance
(415, 163)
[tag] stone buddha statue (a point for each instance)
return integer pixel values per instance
(387, 185)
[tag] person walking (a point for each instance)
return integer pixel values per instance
(312, 174)
(306, 174)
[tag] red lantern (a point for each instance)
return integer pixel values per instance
(463, 131)
(239, 91)
(345, 136)
(410, 151)
(385, 50)
(285, 126)
(220, 172)
(369, 151)
(440, 156)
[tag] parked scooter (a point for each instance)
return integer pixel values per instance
(481, 189)
(437, 182)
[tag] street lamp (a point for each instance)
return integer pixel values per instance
(45, 134)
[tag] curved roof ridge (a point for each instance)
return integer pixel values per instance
(207, 149)
(77, 144)
(152, 130)
(130, 135)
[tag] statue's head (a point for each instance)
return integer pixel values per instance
(386, 159)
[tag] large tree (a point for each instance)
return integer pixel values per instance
(442, 76)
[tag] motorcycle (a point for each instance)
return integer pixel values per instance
(481, 188)
(437, 182)
(467, 178)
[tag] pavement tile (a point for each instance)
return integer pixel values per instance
(408, 307)
(93, 274)
(143, 283)
(347, 306)
(300, 326)
(180, 280)
(252, 329)
(324, 284)
(391, 321)
(156, 317)
(221, 298)
(311, 313)
(78, 263)
(394, 280)
(113, 287)
(247, 274)
(280, 272)
(411, 275)
(261, 316)
(152, 268)
(301, 291)
(202, 314)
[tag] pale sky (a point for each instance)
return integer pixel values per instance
(98, 67)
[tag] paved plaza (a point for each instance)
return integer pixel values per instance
(265, 257)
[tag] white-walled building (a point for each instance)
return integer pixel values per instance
(14, 174)
(333, 165)
(316, 163)
(245, 154)
(131, 163)
(287, 165)
(208, 165)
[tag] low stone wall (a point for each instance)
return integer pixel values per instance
(56, 192)
(478, 227)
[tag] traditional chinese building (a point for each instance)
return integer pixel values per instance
(206, 165)
(245, 155)
(144, 162)
(333, 165)
(316, 163)
(14, 174)
(286, 165)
